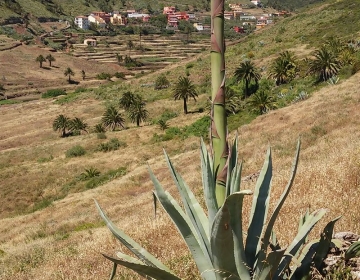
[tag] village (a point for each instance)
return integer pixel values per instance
(240, 13)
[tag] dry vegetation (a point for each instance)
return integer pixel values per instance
(64, 240)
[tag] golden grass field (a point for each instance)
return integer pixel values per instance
(65, 240)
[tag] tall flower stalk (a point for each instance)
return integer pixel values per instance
(218, 122)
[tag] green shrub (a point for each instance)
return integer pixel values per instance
(189, 65)
(75, 151)
(103, 76)
(112, 145)
(119, 75)
(53, 93)
(199, 128)
(108, 176)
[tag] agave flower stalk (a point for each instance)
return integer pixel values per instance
(218, 122)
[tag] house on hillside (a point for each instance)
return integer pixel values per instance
(98, 21)
(117, 19)
(144, 17)
(82, 22)
(106, 17)
(235, 7)
(169, 10)
(199, 26)
(90, 42)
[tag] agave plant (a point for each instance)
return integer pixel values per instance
(217, 241)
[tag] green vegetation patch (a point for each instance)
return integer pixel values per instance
(106, 177)
(75, 151)
(53, 93)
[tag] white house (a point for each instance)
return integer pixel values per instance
(82, 22)
(199, 26)
(97, 20)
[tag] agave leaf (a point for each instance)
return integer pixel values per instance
(235, 204)
(324, 244)
(259, 209)
(222, 243)
(270, 265)
(270, 225)
(353, 251)
(303, 263)
(134, 247)
(209, 184)
(131, 260)
(185, 227)
(232, 165)
(295, 245)
(113, 271)
(153, 272)
(155, 203)
(192, 206)
(236, 179)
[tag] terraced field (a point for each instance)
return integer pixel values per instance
(153, 51)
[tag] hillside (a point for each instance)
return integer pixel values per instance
(49, 227)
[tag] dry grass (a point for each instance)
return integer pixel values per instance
(64, 241)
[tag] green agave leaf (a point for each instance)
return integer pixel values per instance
(303, 263)
(270, 266)
(131, 260)
(325, 242)
(186, 229)
(353, 251)
(134, 247)
(208, 184)
(236, 179)
(295, 245)
(232, 165)
(192, 206)
(222, 243)
(235, 205)
(113, 271)
(153, 272)
(270, 225)
(259, 210)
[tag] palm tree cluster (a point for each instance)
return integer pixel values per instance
(135, 107)
(67, 126)
(41, 59)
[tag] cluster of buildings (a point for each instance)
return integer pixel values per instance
(101, 19)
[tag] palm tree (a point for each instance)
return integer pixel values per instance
(163, 125)
(184, 89)
(40, 59)
(232, 101)
(99, 128)
(50, 58)
(325, 64)
(69, 72)
(262, 102)
(77, 124)
(137, 111)
(247, 72)
(112, 118)
(126, 100)
(61, 123)
(83, 74)
(284, 68)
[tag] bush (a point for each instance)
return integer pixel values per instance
(112, 145)
(53, 93)
(103, 76)
(108, 176)
(75, 151)
(119, 75)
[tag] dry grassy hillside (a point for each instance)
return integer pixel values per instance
(64, 240)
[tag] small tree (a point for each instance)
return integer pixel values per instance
(77, 124)
(40, 59)
(50, 58)
(69, 72)
(126, 100)
(247, 72)
(61, 123)
(137, 111)
(112, 118)
(161, 82)
(130, 45)
(83, 74)
(184, 89)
